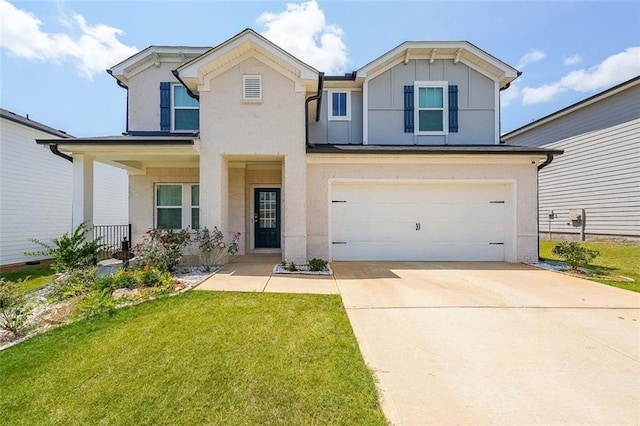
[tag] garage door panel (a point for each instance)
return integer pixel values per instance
(418, 212)
(418, 252)
(431, 221)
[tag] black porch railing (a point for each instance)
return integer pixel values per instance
(112, 235)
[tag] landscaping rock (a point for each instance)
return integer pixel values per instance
(125, 292)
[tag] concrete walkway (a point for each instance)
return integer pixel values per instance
(253, 273)
(494, 343)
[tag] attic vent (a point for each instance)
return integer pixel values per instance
(252, 88)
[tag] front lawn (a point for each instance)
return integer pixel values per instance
(196, 358)
(36, 276)
(616, 258)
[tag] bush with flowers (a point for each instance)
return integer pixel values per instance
(162, 248)
(210, 247)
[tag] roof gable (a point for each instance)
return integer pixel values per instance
(239, 47)
(458, 51)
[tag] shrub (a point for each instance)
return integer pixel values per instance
(162, 248)
(72, 284)
(210, 246)
(317, 265)
(134, 278)
(95, 303)
(575, 254)
(292, 267)
(71, 251)
(14, 309)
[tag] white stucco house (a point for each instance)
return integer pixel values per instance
(399, 160)
(598, 176)
(36, 189)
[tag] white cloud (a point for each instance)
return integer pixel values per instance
(94, 50)
(613, 70)
(508, 96)
(572, 60)
(303, 31)
(531, 57)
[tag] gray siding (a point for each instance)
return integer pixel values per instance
(476, 104)
(337, 132)
(600, 169)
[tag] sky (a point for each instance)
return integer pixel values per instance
(53, 54)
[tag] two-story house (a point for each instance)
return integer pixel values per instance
(399, 160)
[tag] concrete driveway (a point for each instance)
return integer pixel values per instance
(494, 343)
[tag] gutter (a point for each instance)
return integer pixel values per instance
(176, 74)
(318, 97)
(540, 167)
(54, 149)
(125, 87)
(546, 162)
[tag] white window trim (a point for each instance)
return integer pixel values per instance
(173, 110)
(445, 107)
(186, 203)
(245, 77)
(330, 115)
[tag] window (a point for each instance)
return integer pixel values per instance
(252, 88)
(177, 205)
(186, 111)
(339, 105)
(431, 116)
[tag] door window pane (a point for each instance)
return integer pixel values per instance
(267, 210)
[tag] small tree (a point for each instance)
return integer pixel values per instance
(71, 251)
(14, 310)
(575, 254)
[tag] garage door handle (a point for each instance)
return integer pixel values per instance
(496, 244)
(417, 226)
(338, 242)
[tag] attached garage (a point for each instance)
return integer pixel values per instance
(422, 220)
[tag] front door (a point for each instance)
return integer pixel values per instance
(266, 217)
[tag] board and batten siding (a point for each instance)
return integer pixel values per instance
(337, 131)
(36, 193)
(476, 104)
(599, 170)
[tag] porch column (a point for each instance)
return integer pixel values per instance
(83, 192)
(214, 191)
(294, 186)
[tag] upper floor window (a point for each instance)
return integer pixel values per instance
(252, 88)
(431, 116)
(339, 105)
(186, 111)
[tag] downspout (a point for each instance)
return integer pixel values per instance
(540, 167)
(54, 149)
(125, 87)
(318, 97)
(176, 74)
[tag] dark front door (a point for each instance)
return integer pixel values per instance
(266, 217)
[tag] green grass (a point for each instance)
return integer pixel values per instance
(38, 275)
(196, 358)
(616, 258)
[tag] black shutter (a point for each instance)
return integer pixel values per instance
(165, 106)
(408, 109)
(453, 109)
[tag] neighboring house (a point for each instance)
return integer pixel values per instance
(399, 160)
(36, 189)
(600, 169)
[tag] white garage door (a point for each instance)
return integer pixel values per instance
(400, 221)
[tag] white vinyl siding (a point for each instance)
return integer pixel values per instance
(36, 193)
(419, 222)
(598, 171)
